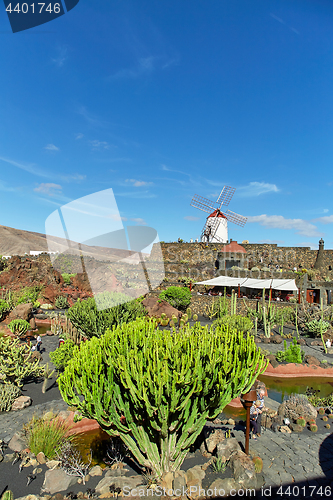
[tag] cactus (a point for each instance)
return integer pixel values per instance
(171, 323)
(47, 375)
(181, 323)
(163, 316)
(312, 421)
(321, 411)
(189, 312)
(258, 464)
(19, 327)
(8, 495)
(156, 389)
(8, 394)
(195, 317)
(164, 322)
(327, 426)
(330, 415)
(15, 362)
(313, 428)
(185, 318)
(325, 418)
(301, 421)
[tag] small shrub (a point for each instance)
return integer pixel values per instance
(317, 327)
(63, 354)
(67, 277)
(240, 323)
(313, 428)
(4, 308)
(178, 297)
(47, 435)
(61, 302)
(258, 464)
(19, 327)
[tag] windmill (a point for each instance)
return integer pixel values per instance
(216, 227)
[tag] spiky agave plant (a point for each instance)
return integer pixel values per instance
(156, 388)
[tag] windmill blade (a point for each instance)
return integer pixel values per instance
(226, 195)
(240, 220)
(202, 203)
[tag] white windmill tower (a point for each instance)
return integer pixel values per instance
(216, 227)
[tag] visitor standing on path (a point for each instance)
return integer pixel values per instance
(261, 400)
(39, 342)
(254, 412)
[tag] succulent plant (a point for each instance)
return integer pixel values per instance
(330, 415)
(189, 312)
(301, 421)
(181, 323)
(258, 464)
(164, 321)
(312, 421)
(195, 317)
(8, 495)
(327, 426)
(185, 318)
(163, 316)
(325, 418)
(321, 411)
(313, 428)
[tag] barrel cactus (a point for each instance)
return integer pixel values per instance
(327, 426)
(195, 317)
(330, 415)
(258, 464)
(157, 388)
(313, 428)
(325, 418)
(321, 411)
(301, 421)
(189, 312)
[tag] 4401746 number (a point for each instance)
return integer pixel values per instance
(33, 8)
(295, 491)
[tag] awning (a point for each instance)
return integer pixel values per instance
(274, 284)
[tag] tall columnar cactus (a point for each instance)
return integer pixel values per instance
(156, 388)
(8, 495)
(15, 362)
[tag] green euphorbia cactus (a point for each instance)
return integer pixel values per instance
(16, 363)
(156, 388)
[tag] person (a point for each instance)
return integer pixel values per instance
(191, 240)
(254, 413)
(61, 341)
(39, 342)
(261, 400)
(328, 343)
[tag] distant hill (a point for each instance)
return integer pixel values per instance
(18, 242)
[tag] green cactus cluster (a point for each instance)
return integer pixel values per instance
(258, 464)
(15, 362)
(19, 327)
(238, 322)
(313, 428)
(157, 388)
(8, 394)
(301, 421)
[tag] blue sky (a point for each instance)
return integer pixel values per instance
(163, 100)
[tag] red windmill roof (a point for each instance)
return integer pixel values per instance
(233, 247)
(216, 214)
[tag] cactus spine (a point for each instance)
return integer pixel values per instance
(165, 383)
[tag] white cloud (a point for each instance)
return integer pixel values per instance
(137, 183)
(61, 58)
(303, 227)
(191, 218)
(51, 147)
(140, 221)
(328, 219)
(74, 177)
(98, 145)
(48, 188)
(29, 167)
(257, 188)
(79, 136)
